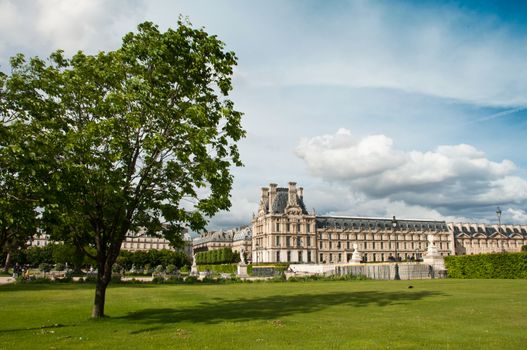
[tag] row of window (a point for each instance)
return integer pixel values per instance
(494, 242)
(373, 257)
(381, 245)
(297, 240)
(383, 226)
(300, 256)
(339, 236)
(288, 226)
(145, 246)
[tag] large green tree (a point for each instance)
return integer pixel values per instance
(18, 205)
(141, 138)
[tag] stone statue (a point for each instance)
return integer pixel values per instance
(355, 257)
(242, 266)
(194, 268)
(433, 258)
(432, 249)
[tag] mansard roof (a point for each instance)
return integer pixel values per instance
(471, 230)
(244, 233)
(378, 223)
(280, 201)
(230, 235)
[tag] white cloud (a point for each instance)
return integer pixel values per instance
(39, 27)
(447, 177)
(518, 216)
(239, 214)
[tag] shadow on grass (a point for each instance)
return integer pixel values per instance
(44, 329)
(18, 287)
(272, 307)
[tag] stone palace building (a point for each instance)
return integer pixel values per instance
(284, 231)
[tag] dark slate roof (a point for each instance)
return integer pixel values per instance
(280, 201)
(377, 223)
(488, 231)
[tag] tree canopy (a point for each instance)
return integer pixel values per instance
(137, 139)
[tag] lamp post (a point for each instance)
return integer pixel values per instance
(498, 213)
(394, 226)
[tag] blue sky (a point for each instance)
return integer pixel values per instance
(377, 108)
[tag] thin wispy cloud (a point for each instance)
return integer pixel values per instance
(498, 115)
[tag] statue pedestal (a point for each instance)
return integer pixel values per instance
(355, 258)
(242, 270)
(436, 261)
(194, 270)
(433, 258)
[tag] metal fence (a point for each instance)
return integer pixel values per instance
(407, 271)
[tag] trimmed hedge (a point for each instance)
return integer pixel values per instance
(225, 268)
(217, 256)
(501, 265)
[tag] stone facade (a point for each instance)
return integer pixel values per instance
(283, 231)
(133, 242)
(377, 240)
(239, 239)
(473, 238)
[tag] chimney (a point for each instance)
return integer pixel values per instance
(272, 196)
(264, 198)
(292, 194)
(301, 193)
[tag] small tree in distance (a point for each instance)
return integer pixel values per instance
(141, 138)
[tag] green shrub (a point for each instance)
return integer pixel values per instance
(170, 268)
(217, 256)
(44, 267)
(224, 268)
(184, 269)
(116, 268)
(500, 265)
(524, 248)
(36, 280)
(59, 267)
(159, 269)
(116, 278)
(191, 280)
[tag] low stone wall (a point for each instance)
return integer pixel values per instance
(407, 271)
(381, 271)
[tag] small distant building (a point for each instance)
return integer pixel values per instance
(139, 241)
(237, 239)
(473, 238)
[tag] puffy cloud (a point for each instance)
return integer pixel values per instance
(518, 216)
(449, 178)
(238, 215)
(341, 156)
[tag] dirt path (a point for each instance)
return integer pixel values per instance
(6, 279)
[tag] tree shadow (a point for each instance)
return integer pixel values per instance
(17, 287)
(271, 307)
(44, 328)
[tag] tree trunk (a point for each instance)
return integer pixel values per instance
(6, 265)
(103, 278)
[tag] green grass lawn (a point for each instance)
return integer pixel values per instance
(434, 314)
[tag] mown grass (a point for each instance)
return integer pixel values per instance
(434, 314)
